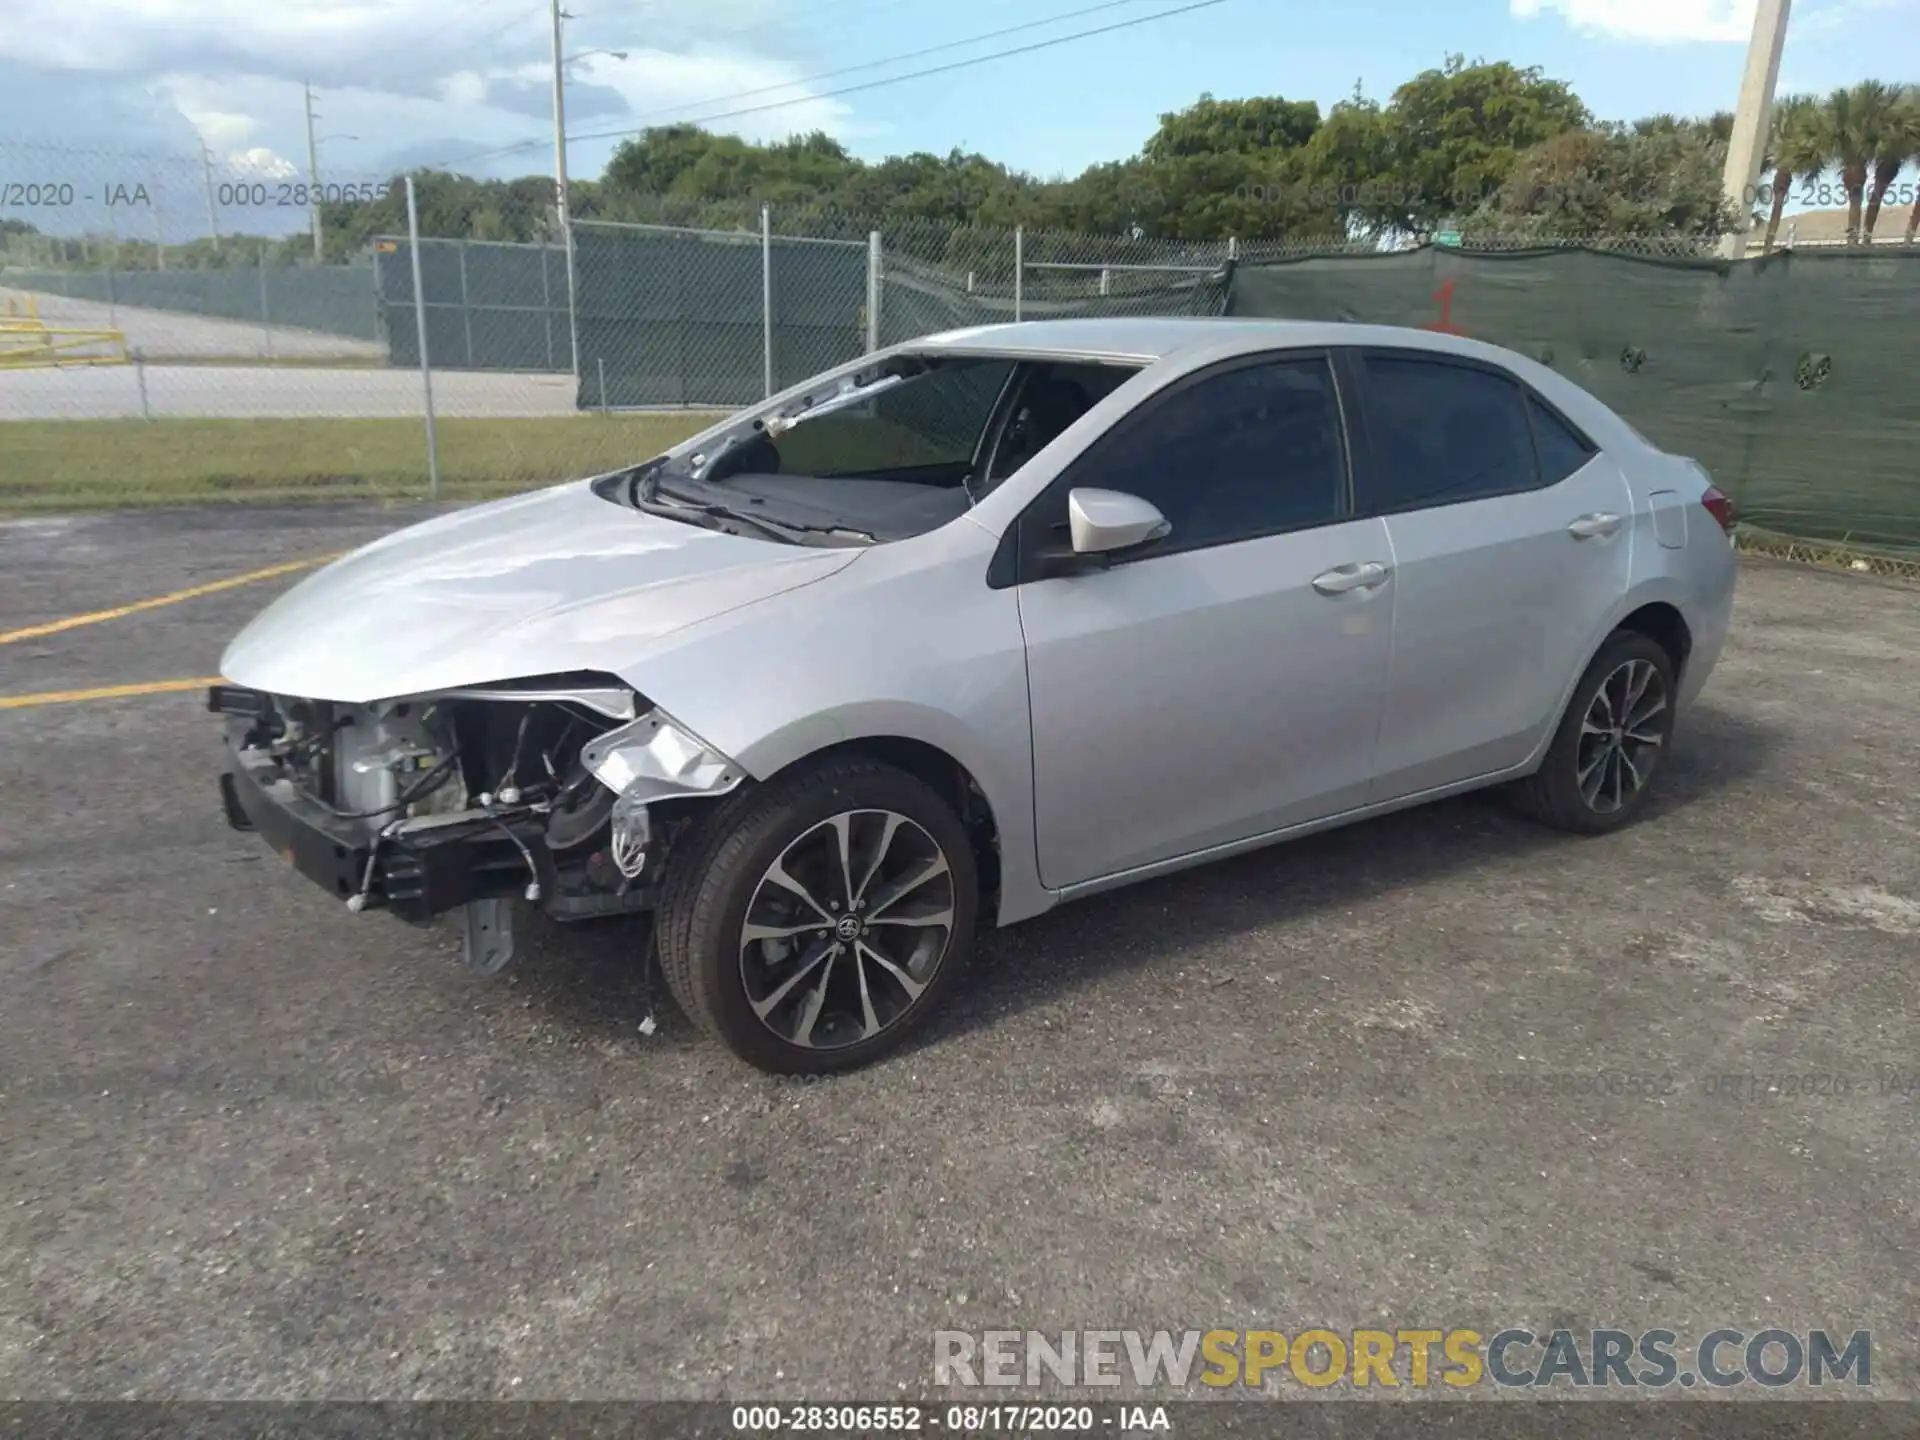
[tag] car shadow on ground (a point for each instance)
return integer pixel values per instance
(589, 978)
(1159, 923)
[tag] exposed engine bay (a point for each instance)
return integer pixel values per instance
(564, 792)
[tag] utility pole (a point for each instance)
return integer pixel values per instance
(159, 228)
(562, 209)
(213, 211)
(1747, 146)
(313, 181)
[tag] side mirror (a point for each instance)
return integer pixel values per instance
(1103, 521)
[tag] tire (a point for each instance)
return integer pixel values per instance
(1563, 792)
(868, 971)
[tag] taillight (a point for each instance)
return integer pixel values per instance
(1719, 506)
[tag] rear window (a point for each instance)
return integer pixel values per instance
(1561, 448)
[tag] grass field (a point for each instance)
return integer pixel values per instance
(92, 464)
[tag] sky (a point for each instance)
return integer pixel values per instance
(89, 86)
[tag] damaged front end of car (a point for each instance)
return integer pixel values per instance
(562, 791)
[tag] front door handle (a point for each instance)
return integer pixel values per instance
(1589, 527)
(1342, 578)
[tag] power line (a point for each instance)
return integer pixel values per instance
(437, 58)
(865, 85)
(785, 20)
(518, 20)
(887, 60)
(930, 70)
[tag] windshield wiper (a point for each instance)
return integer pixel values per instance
(695, 511)
(645, 492)
(767, 525)
(778, 529)
(801, 527)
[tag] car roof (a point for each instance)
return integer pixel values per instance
(1148, 338)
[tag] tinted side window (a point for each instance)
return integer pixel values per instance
(1444, 433)
(1562, 449)
(1248, 452)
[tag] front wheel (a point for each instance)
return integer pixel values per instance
(1611, 742)
(816, 922)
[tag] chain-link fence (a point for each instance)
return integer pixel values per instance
(1792, 379)
(265, 333)
(489, 304)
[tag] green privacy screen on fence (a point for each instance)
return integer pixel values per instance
(1792, 379)
(327, 299)
(676, 317)
(490, 306)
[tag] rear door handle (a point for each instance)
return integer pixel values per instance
(1599, 523)
(1342, 578)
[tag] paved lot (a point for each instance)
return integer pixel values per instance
(112, 392)
(177, 336)
(252, 1145)
(240, 391)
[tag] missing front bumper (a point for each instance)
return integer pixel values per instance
(416, 875)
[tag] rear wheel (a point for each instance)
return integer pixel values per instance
(816, 922)
(1611, 741)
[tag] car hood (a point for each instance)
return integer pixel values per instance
(543, 584)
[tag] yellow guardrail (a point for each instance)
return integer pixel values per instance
(28, 342)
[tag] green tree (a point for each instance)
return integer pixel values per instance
(1261, 126)
(1898, 143)
(1455, 133)
(1913, 121)
(958, 188)
(1798, 149)
(1859, 120)
(1349, 163)
(1647, 178)
(655, 161)
(1113, 198)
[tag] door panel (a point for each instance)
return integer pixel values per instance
(1495, 606)
(1511, 541)
(1193, 699)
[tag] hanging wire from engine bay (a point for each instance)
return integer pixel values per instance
(631, 833)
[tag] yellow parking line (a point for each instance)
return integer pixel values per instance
(74, 622)
(106, 692)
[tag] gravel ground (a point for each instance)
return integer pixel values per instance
(252, 1146)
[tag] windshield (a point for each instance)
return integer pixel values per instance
(890, 452)
(924, 427)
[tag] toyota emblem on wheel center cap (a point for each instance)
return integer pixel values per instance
(849, 927)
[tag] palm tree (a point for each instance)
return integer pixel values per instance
(1899, 143)
(1858, 119)
(1798, 148)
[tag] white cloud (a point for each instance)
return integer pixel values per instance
(468, 87)
(222, 130)
(1658, 21)
(395, 75)
(262, 163)
(662, 87)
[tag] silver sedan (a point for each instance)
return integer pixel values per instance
(975, 626)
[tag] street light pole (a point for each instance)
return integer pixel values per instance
(213, 212)
(1747, 145)
(313, 180)
(562, 210)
